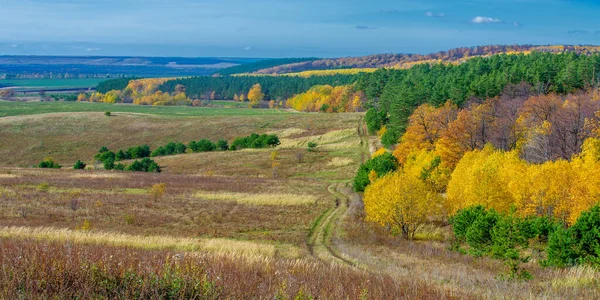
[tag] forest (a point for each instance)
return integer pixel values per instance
(504, 148)
(397, 93)
(262, 64)
(274, 87)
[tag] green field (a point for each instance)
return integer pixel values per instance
(52, 83)
(31, 108)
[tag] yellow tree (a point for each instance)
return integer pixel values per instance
(400, 202)
(242, 97)
(82, 98)
(255, 95)
(481, 178)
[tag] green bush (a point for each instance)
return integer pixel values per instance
(256, 141)
(107, 113)
(579, 244)
(381, 164)
(312, 146)
(79, 165)
(49, 164)
(171, 148)
(202, 146)
(222, 145)
(145, 165)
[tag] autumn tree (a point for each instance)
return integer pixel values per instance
(401, 203)
(255, 95)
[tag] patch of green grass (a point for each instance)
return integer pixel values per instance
(32, 108)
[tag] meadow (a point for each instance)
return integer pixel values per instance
(278, 223)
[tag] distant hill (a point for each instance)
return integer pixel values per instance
(402, 61)
(263, 64)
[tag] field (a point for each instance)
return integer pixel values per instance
(231, 224)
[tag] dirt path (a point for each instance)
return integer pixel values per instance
(327, 225)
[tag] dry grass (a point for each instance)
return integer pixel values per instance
(46, 270)
(259, 199)
(93, 237)
(340, 162)
(64, 199)
(67, 137)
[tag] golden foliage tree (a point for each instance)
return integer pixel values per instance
(401, 203)
(255, 95)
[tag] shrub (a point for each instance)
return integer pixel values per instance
(171, 148)
(579, 244)
(203, 145)
(119, 167)
(145, 165)
(139, 152)
(107, 113)
(256, 141)
(381, 164)
(109, 163)
(48, 163)
(222, 145)
(312, 146)
(79, 165)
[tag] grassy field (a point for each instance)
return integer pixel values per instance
(52, 83)
(231, 224)
(9, 108)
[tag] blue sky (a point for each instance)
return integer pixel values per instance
(287, 28)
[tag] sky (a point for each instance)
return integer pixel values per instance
(287, 28)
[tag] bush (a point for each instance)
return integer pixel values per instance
(222, 145)
(107, 113)
(48, 163)
(256, 141)
(145, 165)
(312, 146)
(381, 164)
(579, 244)
(119, 167)
(109, 163)
(202, 146)
(139, 152)
(171, 148)
(79, 165)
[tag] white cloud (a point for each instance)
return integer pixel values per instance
(434, 15)
(482, 20)
(93, 49)
(247, 48)
(14, 45)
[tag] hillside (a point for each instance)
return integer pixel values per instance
(407, 60)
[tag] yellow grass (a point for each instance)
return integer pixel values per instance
(340, 162)
(287, 132)
(98, 175)
(213, 245)
(8, 176)
(259, 199)
(330, 140)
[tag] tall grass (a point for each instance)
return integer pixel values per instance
(259, 199)
(217, 245)
(45, 270)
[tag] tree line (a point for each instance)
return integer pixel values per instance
(395, 94)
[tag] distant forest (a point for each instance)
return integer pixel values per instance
(397, 93)
(407, 60)
(274, 87)
(262, 64)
